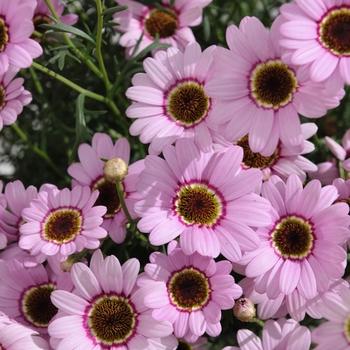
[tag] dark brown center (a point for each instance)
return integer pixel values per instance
(161, 22)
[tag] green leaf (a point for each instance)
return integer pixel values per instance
(113, 10)
(81, 131)
(60, 27)
(62, 59)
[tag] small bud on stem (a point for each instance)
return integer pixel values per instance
(244, 310)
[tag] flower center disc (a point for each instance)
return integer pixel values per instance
(189, 289)
(161, 22)
(334, 31)
(108, 197)
(184, 346)
(112, 320)
(347, 329)
(62, 225)
(187, 103)
(272, 84)
(198, 204)
(293, 238)
(37, 307)
(254, 160)
(37, 20)
(4, 37)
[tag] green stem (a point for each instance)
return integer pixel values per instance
(69, 42)
(257, 321)
(38, 151)
(120, 191)
(70, 83)
(37, 82)
(99, 43)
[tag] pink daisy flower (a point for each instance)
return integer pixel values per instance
(315, 32)
(106, 310)
(169, 100)
(16, 336)
(280, 334)
(300, 251)
(193, 291)
(341, 152)
(16, 27)
(326, 172)
(89, 172)
(12, 96)
(283, 162)
(25, 293)
(260, 94)
(198, 197)
(334, 334)
(41, 11)
(18, 198)
(61, 223)
(171, 23)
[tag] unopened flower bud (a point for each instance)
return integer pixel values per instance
(66, 265)
(115, 169)
(244, 310)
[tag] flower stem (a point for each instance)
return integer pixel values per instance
(120, 191)
(74, 49)
(70, 83)
(39, 152)
(98, 45)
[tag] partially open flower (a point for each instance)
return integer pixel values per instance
(244, 309)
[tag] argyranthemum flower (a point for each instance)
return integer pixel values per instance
(301, 251)
(193, 292)
(199, 197)
(169, 100)
(16, 27)
(25, 293)
(61, 223)
(334, 334)
(315, 33)
(283, 161)
(89, 172)
(14, 336)
(280, 334)
(170, 23)
(42, 10)
(12, 95)
(18, 198)
(260, 94)
(106, 310)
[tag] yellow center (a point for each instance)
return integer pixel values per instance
(189, 289)
(272, 84)
(112, 320)
(162, 22)
(334, 31)
(198, 204)
(62, 225)
(187, 103)
(293, 238)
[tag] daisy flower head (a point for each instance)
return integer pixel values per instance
(18, 198)
(13, 96)
(315, 34)
(334, 334)
(106, 310)
(283, 162)
(16, 26)
(89, 172)
(193, 291)
(25, 293)
(16, 336)
(341, 152)
(301, 251)
(199, 197)
(169, 99)
(42, 11)
(260, 94)
(280, 334)
(171, 24)
(62, 222)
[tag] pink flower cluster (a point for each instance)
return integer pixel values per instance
(223, 186)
